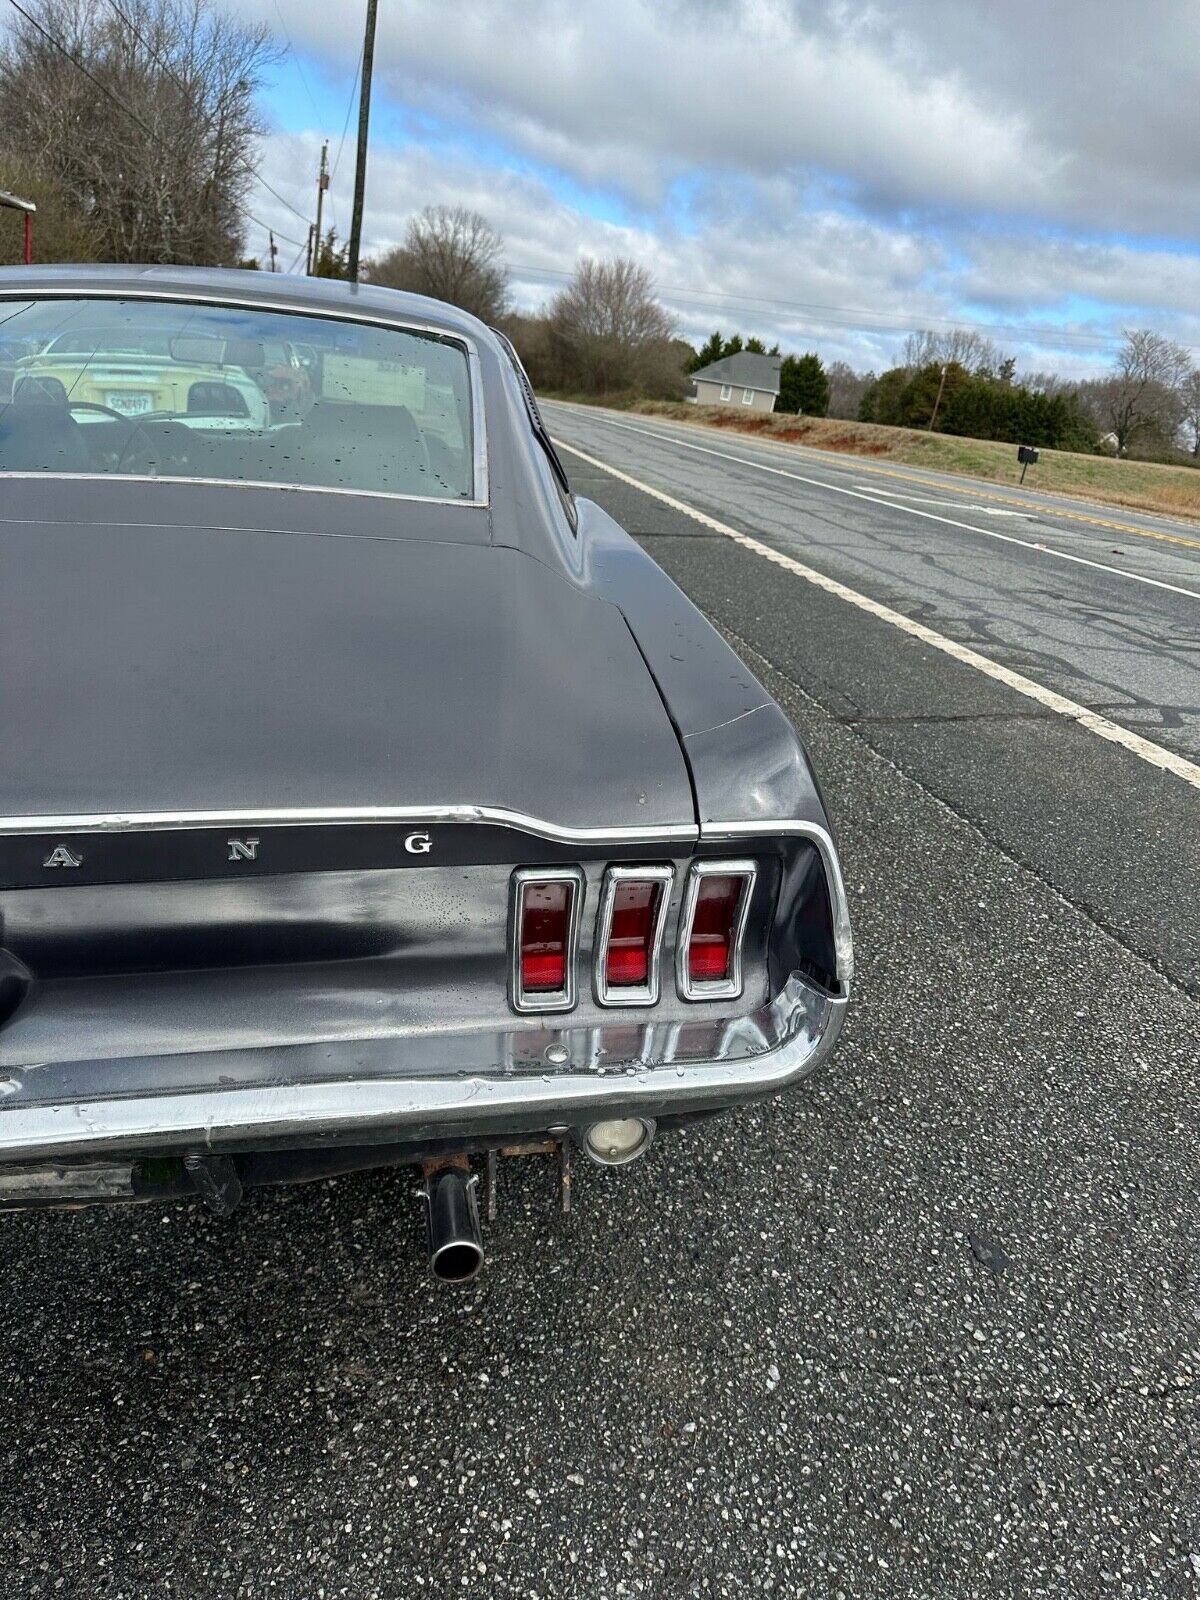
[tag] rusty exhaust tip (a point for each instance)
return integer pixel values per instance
(452, 1216)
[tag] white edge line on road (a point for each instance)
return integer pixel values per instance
(879, 498)
(954, 505)
(1145, 749)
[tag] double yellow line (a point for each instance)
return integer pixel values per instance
(857, 464)
(1030, 505)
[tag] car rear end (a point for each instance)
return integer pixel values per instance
(366, 799)
(423, 990)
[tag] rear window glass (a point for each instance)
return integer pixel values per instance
(178, 390)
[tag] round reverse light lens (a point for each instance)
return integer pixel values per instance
(618, 1141)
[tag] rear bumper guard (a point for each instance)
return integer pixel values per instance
(411, 1088)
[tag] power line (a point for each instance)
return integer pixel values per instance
(258, 178)
(346, 118)
(208, 120)
(90, 76)
(296, 258)
(123, 105)
(299, 66)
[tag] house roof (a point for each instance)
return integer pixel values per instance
(746, 370)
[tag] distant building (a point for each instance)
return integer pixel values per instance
(745, 379)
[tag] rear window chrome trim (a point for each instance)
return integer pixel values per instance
(242, 483)
(480, 487)
(646, 994)
(564, 999)
(729, 988)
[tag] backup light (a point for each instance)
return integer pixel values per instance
(619, 1141)
(715, 906)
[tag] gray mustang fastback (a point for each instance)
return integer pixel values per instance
(365, 797)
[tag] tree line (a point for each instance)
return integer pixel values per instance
(959, 382)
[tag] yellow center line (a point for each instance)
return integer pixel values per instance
(861, 464)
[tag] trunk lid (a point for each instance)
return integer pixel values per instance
(178, 669)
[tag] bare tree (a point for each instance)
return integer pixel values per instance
(1141, 403)
(452, 254)
(1190, 395)
(846, 389)
(610, 330)
(1047, 383)
(144, 114)
(972, 351)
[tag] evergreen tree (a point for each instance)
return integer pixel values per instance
(711, 350)
(803, 385)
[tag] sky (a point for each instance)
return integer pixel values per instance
(828, 174)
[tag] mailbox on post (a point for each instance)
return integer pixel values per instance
(1027, 455)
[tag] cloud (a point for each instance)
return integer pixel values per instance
(849, 286)
(864, 169)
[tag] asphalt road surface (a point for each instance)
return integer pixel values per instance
(928, 1327)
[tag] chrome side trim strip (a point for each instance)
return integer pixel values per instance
(499, 816)
(552, 1000)
(710, 1066)
(721, 988)
(626, 995)
(319, 816)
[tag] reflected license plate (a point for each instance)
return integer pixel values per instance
(129, 403)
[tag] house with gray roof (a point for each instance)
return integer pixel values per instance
(745, 379)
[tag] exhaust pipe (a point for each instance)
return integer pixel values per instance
(452, 1214)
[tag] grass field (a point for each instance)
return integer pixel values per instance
(1140, 485)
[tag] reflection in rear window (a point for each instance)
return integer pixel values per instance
(156, 389)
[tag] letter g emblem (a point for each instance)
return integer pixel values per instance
(418, 844)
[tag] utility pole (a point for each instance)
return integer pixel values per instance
(322, 185)
(938, 401)
(274, 251)
(309, 263)
(364, 115)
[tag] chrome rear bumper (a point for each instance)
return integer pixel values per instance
(418, 1087)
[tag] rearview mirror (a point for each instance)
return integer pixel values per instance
(197, 349)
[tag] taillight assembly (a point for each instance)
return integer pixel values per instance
(544, 938)
(708, 956)
(629, 934)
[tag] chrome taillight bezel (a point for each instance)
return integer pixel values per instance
(551, 999)
(728, 988)
(646, 994)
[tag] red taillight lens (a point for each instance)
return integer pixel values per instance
(634, 923)
(715, 906)
(545, 936)
(714, 926)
